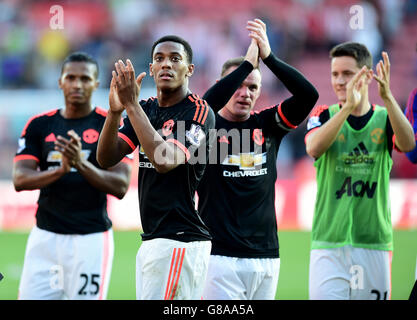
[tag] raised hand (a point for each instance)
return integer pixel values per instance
(383, 77)
(353, 89)
(252, 55)
(257, 30)
(127, 87)
(70, 149)
(114, 102)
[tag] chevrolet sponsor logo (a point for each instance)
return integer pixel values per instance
(245, 161)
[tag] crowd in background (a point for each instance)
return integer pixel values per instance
(31, 52)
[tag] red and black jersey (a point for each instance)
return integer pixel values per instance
(166, 201)
(237, 192)
(70, 205)
(320, 115)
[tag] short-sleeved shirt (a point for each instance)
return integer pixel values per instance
(166, 200)
(237, 193)
(70, 205)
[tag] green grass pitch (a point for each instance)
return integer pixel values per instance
(293, 279)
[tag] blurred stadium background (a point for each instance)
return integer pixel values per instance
(301, 32)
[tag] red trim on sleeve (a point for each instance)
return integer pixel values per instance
(394, 147)
(308, 133)
(318, 110)
(196, 111)
(289, 124)
(48, 113)
(101, 111)
(25, 157)
(127, 140)
(181, 146)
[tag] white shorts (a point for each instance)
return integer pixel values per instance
(231, 278)
(349, 273)
(61, 266)
(168, 269)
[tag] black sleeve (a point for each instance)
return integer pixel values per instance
(220, 93)
(319, 116)
(305, 95)
(30, 142)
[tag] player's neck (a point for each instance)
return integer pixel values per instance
(74, 111)
(363, 107)
(168, 98)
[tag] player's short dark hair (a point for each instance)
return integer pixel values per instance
(355, 50)
(80, 57)
(234, 62)
(173, 38)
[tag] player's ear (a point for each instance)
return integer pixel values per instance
(97, 84)
(60, 82)
(150, 70)
(190, 70)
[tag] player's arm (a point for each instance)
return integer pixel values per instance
(165, 156)
(403, 131)
(304, 95)
(111, 149)
(26, 175)
(115, 180)
(220, 93)
(411, 114)
(320, 140)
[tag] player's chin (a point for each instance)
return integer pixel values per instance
(241, 112)
(341, 96)
(78, 101)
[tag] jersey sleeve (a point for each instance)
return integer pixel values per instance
(272, 119)
(193, 131)
(29, 144)
(318, 116)
(128, 134)
(221, 92)
(411, 114)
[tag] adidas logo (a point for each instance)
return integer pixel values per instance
(359, 155)
(224, 139)
(50, 138)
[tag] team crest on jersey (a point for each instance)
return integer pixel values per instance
(377, 136)
(90, 136)
(21, 145)
(258, 137)
(195, 135)
(167, 127)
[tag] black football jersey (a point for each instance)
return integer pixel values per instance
(166, 201)
(237, 192)
(70, 205)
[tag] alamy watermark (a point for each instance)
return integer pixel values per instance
(356, 21)
(245, 145)
(56, 22)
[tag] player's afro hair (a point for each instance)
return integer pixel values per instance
(173, 38)
(80, 57)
